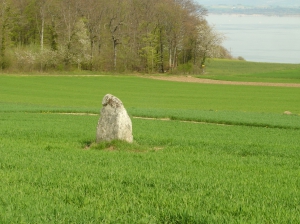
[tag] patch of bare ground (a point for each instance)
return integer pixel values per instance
(86, 147)
(79, 114)
(219, 82)
(112, 148)
(151, 118)
(158, 148)
(136, 150)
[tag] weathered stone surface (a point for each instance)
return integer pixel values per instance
(114, 122)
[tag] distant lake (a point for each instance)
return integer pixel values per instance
(260, 38)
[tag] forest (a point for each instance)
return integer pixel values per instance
(120, 35)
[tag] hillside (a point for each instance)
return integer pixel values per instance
(275, 7)
(282, 3)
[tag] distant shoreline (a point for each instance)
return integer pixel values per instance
(246, 10)
(241, 14)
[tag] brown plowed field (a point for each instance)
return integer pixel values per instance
(220, 82)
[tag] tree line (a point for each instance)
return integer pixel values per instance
(117, 35)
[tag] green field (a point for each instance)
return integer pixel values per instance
(231, 70)
(227, 154)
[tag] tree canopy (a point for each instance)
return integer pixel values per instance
(119, 35)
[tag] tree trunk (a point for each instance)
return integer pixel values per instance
(2, 54)
(170, 59)
(175, 58)
(162, 70)
(42, 34)
(115, 43)
(3, 37)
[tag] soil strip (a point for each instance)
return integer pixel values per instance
(219, 82)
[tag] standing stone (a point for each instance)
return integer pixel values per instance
(114, 122)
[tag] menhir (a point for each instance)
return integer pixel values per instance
(114, 122)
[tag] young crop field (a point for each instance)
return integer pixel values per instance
(231, 70)
(209, 153)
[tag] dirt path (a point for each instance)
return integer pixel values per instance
(181, 78)
(220, 82)
(147, 118)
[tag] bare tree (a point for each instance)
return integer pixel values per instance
(116, 15)
(40, 18)
(95, 13)
(208, 42)
(4, 23)
(79, 44)
(70, 13)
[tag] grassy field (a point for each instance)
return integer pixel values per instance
(231, 70)
(85, 94)
(241, 166)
